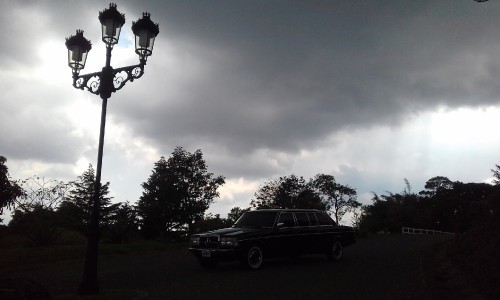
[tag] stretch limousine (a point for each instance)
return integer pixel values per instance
(268, 233)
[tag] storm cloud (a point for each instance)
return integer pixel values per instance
(264, 88)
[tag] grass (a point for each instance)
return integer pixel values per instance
(108, 295)
(143, 269)
(18, 257)
(15, 251)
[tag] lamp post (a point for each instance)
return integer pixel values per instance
(104, 83)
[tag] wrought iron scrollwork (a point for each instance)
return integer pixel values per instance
(94, 82)
(91, 82)
(122, 75)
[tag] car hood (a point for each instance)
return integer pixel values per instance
(234, 231)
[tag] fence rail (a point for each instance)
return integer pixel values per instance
(408, 230)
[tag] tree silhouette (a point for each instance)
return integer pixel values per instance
(77, 208)
(436, 185)
(212, 222)
(388, 213)
(287, 192)
(235, 213)
(338, 199)
(9, 190)
(34, 215)
(123, 223)
(39, 225)
(40, 192)
(444, 205)
(177, 193)
(496, 175)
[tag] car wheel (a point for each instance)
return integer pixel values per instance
(253, 258)
(336, 251)
(208, 263)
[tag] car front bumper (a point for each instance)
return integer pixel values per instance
(217, 253)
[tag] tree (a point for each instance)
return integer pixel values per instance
(34, 214)
(235, 213)
(338, 199)
(357, 216)
(408, 188)
(40, 192)
(39, 225)
(388, 213)
(212, 222)
(9, 190)
(454, 208)
(436, 185)
(77, 208)
(464, 206)
(123, 223)
(265, 197)
(177, 193)
(496, 175)
(287, 192)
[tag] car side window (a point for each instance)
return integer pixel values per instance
(324, 219)
(312, 219)
(302, 219)
(286, 220)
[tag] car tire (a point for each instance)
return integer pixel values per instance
(335, 251)
(208, 263)
(253, 257)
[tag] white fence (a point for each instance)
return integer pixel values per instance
(408, 230)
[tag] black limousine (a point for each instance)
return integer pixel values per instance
(268, 233)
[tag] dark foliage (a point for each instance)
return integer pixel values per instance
(9, 190)
(436, 185)
(235, 213)
(123, 224)
(39, 225)
(337, 198)
(444, 205)
(75, 210)
(177, 194)
(42, 192)
(287, 192)
(496, 175)
(471, 210)
(321, 192)
(212, 222)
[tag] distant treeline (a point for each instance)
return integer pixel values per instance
(180, 190)
(443, 205)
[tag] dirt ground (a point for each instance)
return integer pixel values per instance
(386, 267)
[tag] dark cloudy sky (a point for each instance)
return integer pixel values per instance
(371, 92)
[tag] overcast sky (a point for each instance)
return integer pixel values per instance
(371, 92)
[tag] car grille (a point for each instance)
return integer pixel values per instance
(209, 241)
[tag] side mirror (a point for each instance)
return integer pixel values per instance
(280, 225)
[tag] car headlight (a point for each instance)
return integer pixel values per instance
(229, 241)
(195, 240)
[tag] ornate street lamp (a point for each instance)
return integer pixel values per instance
(145, 32)
(104, 83)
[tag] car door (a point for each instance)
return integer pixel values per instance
(304, 235)
(285, 231)
(316, 233)
(327, 228)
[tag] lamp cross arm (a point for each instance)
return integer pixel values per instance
(124, 74)
(89, 81)
(109, 80)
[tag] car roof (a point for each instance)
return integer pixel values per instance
(287, 210)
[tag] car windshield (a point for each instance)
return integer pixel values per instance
(256, 219)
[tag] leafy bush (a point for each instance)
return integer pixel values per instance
(39, 226)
